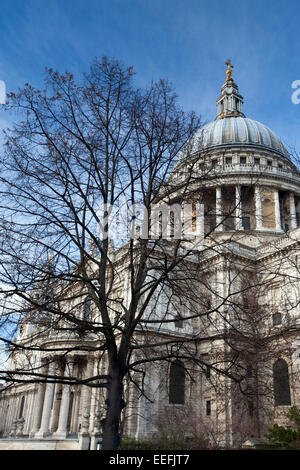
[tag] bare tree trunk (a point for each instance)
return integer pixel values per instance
(111, 434)
(257, 430)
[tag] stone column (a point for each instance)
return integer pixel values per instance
(258, 214)
(277, 211)
(93, 407)
(48, 399)
(293, 218)
(238, 210)
(55, 408)
(86, 390)
(62, 431)
(30, 409)
(200, 219)
(37, 407)
(219, 226)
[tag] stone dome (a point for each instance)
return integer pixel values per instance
(239, 131)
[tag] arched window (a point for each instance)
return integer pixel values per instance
(87, 309)
(281, 383)
(177, 383)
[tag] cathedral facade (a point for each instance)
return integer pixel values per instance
(250, 192)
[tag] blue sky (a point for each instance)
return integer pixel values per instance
(186, 41)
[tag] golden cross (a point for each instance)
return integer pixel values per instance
(229, 64)
(229, 69)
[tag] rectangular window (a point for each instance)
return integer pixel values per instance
(207, 372)
(246, 222)
(228, 160)
(276, 319)
(243, 160)
(256, 161)
(229, 223)
(208, 407)
(214, 163)
(269, 163)
(178, 322)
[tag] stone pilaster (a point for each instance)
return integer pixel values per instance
(238, 210)
(277, 210)
(219, 226)
(258, 213)
(293, 218)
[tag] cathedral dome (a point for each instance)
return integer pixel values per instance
(232, 128)
(239, 131)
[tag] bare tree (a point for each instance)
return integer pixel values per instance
(81, 150)
(84, 155)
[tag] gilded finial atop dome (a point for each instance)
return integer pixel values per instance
(229, 70)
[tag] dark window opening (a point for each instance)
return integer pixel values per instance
(70, 411)
(282, 393)
(177, 383)
(212, 223)
(214, 163)
(178, 322)
(246, 222)
(87, 309)
(256, 161)
(160, 225)
(228, 160)
(243, 160)
(251, 407)
(207, 372)
(276, 319)
(208, 407)
(172, 224)
(21, 407)
(229, 223)
(269, 162)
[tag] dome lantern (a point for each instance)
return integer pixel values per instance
(230, 101)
